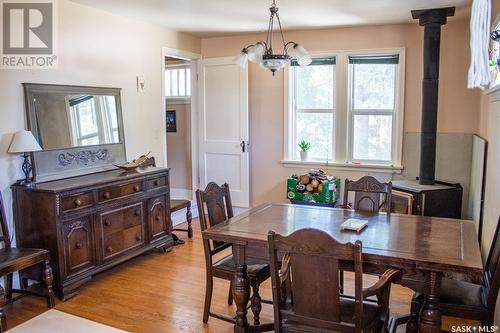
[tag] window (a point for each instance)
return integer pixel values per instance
(372, 104)
(178, 81)
(348, 105)
(313, 101)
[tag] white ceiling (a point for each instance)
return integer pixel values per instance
(218, 17)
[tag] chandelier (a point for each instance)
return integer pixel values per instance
(262, 52)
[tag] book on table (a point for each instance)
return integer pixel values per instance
(354, 224)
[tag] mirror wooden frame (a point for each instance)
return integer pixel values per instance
(53, 164)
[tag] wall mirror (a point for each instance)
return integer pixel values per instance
(79, 128)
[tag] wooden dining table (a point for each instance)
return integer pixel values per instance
(423, 248)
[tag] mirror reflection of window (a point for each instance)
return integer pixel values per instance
(93, 120)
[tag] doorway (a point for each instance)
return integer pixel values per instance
(178, 108)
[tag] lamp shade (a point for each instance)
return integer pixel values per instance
(242, 59)
(24, 142)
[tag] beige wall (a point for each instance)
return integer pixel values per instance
(98, 48)
(179, 148)
(458, 106)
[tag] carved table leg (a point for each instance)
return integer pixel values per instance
(189, 218)
(241, 290)
(48, 278)
(256, 302)
(430, 317)
(3, 321)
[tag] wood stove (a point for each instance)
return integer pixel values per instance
(425, 195)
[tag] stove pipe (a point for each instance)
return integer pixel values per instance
(431, 20)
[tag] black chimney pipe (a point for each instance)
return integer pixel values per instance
(431, 20)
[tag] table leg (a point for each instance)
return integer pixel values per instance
(241, 290)
(430, 317)
(189, 218)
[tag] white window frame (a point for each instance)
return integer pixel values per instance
(342, 121)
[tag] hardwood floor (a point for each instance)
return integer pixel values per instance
(162, 293)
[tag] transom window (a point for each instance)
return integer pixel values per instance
(178, 81)
(348, 106)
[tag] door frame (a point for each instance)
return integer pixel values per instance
(193, 58)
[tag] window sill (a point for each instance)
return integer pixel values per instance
(344, 166)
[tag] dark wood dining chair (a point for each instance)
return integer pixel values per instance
(214, 207)
(461, 299)
(369, 194)
(15, 259)
(306, 296)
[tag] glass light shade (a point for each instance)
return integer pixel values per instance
(303, 57)
(275, 62)
(24, 142)
(256, 55)
(242, 59)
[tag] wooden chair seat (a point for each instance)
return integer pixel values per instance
(460, 293)
(176, 205)
(14, 259)
(226, 267)
(371, 317)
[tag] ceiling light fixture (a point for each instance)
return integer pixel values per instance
(262, 52)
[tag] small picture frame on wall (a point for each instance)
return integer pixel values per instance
(171, 121)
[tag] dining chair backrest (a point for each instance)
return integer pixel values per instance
(4, 232)
(306, 284)
(367, 194)
(491, 275)
(214, 207)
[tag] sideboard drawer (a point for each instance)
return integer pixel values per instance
(122, 241)
(118, 191)
(77, 201)
(157, 182)
(122, 218)
(78, 240)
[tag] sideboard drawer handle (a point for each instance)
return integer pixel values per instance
(107, 222)
(157, 218)
(109, 249)
(157, 182)
(136, 188)
(78, 245)
(106, 195)
(137, 212)
(77, 202)
(137, 238)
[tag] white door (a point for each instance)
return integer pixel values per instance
(223, 127)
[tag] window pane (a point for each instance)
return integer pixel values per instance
(373, 86)
(317, 128)
(167, 83)
(182, 82)
(372, 137)
(175, 91)
(315, 87)
(188, 82)
(87, 117)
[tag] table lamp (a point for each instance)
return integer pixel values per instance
(24, 142)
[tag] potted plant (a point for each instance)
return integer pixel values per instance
(304, 148)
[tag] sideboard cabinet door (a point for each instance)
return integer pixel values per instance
(158, 218)
(78, 240)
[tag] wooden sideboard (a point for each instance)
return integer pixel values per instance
(93, 222)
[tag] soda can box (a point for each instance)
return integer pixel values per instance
(313, 189)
